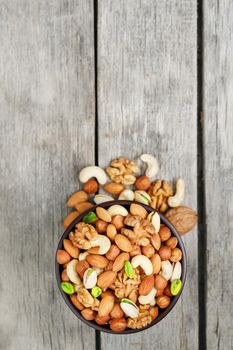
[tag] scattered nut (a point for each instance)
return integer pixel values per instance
(70, 218)
(122, 170)
(152, 165)
(143, 183)
(126, 195)
(77, 197)
(183, 219)
(81, 207)
(93, 171)
(114, 188)
(91, 186)
(178, 198)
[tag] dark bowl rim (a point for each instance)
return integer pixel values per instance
(164, 313)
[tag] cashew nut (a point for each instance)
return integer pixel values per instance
(101, 198)
(117, 210)
(176, 274)
(72, 273)
(126, 195)
(82, 256)
(152, 164)
(89, 278)
(144, 262)
(129, 308)
(142, 197)
(166, 269)
(93, 171)
(178, 198)
(154, 218)
(103, 242)
(149, 298)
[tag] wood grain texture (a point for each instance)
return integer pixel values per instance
(46, 136)
(147, 103)
(218, 131)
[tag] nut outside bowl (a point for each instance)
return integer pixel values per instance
(162, 313)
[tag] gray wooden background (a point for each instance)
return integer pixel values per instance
(84, 81)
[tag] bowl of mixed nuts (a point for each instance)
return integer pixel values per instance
(120, 266)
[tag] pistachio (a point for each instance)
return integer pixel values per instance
(129, 270)
(154, 218)
(176, 286)
(142, 197)
(101, 198)
(167, 269)
(89, 278)
(90, 218)
(96, 291)
(129, 308)
(117, 210)
(67, 288)
(176, 274)
(126, 195)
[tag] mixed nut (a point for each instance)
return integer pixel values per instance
(120, 267)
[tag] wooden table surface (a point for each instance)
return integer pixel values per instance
(82, 82)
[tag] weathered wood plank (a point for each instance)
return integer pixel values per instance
(218, 130)
(147, 103)
(46, 136)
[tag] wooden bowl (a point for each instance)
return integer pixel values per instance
(163, 313)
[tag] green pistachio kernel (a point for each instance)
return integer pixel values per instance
(90, 218)
(67, 288)
(89, 272)
(129, 269)
(176, 286)
(96, 292)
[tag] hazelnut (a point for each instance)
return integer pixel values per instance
(113, 252)
(154, 311)
(117, 311)
(159, 292)
(88, 314)
(148, 250)
(163, 301)
(111, 232)
(143, 183)
(176, 255)
(91, 186)
(160, 282)
(156, 241)
(118, 324)
(164, 233)
(167, 291)
(102, 320)
(171, 242)
(136, 250)
(81, 267)
(101, 226)
(118, 221)
(64, 276)
(165, 253)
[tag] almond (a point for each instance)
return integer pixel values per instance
(119, 262)
(101, 226)
(160, 282)
(113, 188)
(106, 305)
(105, 279)
(75, 302)
(146, 285)
(70, 217)
(62, 257)
(123, 243)
(64, 276)
(81, 207)
(156, 263)
(113, 252)
(182, 218)
(118, 221)
(88, 314)
(81, 267)
(70, 248)
(103, 214)
(77, 197)
(117, 311)
(111, 232)
(156, 241)
(97, 261)
(91, 186)
(137, 209)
